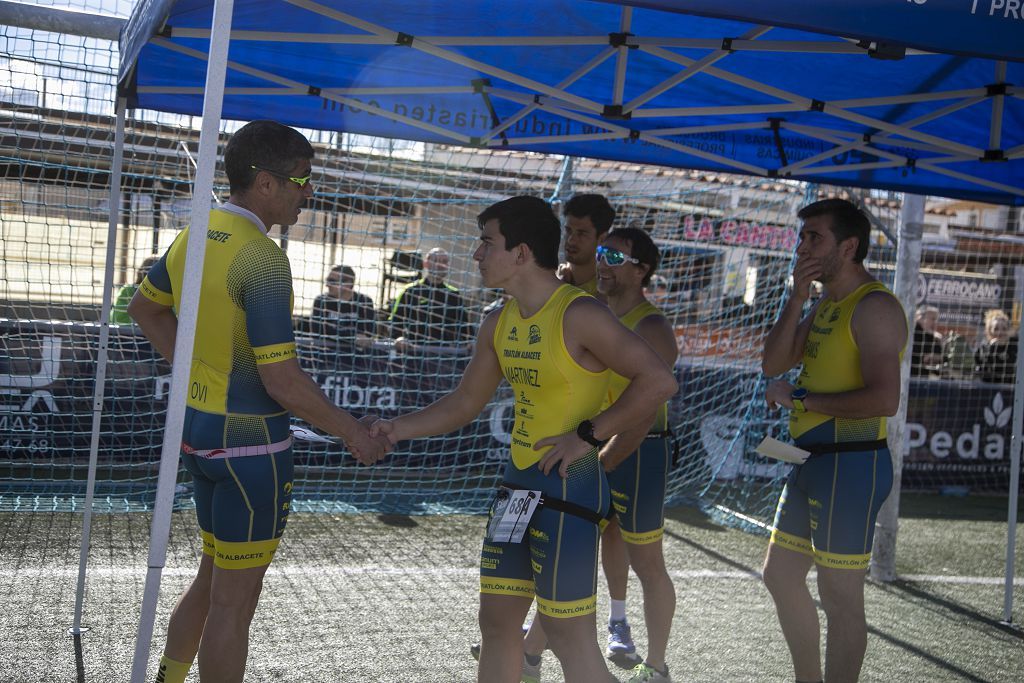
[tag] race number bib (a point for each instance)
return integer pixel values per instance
(510, 514)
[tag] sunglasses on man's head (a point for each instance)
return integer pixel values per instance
(613, 257)
(301, 182)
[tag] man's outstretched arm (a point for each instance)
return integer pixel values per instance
(288, 384)
(463, 404)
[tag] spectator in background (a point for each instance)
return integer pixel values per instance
(926, 356)
(996, 359)
(957, 357)
(430, 311)
(342, 314)
(119, 310)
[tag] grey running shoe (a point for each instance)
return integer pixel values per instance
(621, 650)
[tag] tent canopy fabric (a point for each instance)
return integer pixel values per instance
(920, 96)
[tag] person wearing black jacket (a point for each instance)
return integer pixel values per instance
(926, 354)
(343, 315)
(996, 359)
(430, 311)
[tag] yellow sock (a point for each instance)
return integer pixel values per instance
(171, 671)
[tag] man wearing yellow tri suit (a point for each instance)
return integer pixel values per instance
(554, 345)
(587, 218)
(850, 345)
(637, 460)
(244, 380)
(637, 463)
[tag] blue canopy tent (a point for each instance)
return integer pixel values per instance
(916, 96)
(895, 95)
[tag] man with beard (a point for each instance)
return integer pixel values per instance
(850, 345)
(637, 460)
(587, 218)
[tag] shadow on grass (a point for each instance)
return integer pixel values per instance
(915, 590)
(905, 589)
(977, 508)
(696, 518)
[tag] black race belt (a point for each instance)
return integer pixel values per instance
(565, 506)
(844, 447)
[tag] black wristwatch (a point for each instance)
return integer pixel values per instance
(585, 431)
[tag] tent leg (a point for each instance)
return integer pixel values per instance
(187, 314)
(563, 188)
(1015, 446)
(908, 263)
(76, 629)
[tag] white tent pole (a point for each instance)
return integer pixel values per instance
(622, 58)
(452, 56)
(690, 71)
(59, 20)
(908, 263)
(101, 363)
(565, 83)
(1015, 446)
(187, 313)
(828, 109)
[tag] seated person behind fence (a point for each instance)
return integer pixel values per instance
(430, 311)
(996, 359)
(343, 315)
(926, 356)
(119, 310)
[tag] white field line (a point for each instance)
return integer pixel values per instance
(43, 573)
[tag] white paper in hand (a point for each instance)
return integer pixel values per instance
(304, 434)
(773, 448)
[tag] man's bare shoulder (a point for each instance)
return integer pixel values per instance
(879, 316)
(879, 304)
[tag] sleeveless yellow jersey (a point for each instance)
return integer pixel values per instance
(831, 364)
(244, 319)
(553, 393)
(590, 286)
(617, 383)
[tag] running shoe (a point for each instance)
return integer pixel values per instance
(621, 650)
(531, 672)
(645, 673)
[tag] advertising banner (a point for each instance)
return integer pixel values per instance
(958, 432)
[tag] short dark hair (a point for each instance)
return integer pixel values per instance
(848, 220)
(529, 221)
(266, 144)
(641, 247)
(344, 271)
(592, 206)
